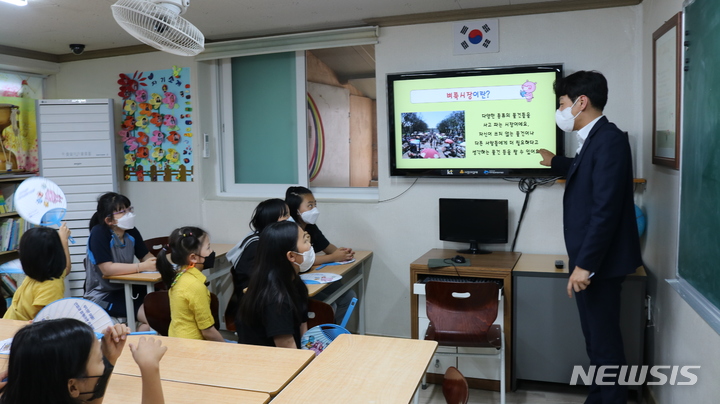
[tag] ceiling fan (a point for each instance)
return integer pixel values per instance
(159, 24)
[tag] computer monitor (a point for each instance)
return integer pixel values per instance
(474, 221)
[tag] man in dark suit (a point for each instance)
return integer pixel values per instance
(599, 223)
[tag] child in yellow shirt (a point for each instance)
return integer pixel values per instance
(45, 259)
(190, 315)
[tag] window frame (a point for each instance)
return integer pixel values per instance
(221, 52)
(228, 187)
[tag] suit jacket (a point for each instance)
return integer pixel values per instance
(599, 222)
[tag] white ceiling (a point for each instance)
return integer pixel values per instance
(49, 26)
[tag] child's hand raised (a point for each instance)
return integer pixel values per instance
(147, 353)
(113, 341)
(64, 232)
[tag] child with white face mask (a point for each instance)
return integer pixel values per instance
(304, 211)
(112, 247)
(274, 312)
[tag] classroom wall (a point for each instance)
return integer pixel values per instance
(161, 206)
(401, 229)
(562, 40)
(678, 335)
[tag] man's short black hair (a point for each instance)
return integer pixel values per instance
(591, 84)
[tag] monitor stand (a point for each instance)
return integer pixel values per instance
(474, 249)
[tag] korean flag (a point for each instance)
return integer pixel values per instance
(478, 36)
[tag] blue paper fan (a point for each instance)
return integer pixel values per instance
(53, 217)
(319, 337)
(41, 201)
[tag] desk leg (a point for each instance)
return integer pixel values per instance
(129, 307)
(361, 314)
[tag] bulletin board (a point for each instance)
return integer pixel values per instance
(156, 129)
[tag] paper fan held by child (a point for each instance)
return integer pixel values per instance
(319, 337)
(79, 309)
(71, 307)
(40, 201)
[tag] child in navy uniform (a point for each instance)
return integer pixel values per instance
(112, 247)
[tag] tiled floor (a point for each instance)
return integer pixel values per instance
(527, 393)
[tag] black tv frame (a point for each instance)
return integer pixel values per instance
(468, 172)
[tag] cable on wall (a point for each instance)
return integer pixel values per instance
(401, 194)
(526, 186)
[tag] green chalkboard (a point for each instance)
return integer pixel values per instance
(699, 245)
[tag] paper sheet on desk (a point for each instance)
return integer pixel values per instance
(149, 272)
(5, 346)
(319, 277)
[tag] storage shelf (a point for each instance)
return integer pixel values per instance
(16, 176)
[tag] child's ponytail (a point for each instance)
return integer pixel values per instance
(182, 242)
(163, 264)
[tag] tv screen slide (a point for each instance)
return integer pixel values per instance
(481, 122)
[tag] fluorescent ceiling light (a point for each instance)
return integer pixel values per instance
(16, 2)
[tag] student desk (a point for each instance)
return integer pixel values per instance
(497, 265)
(123, 389)
(236, 366)
(361, 369)
(149, 279)
(8, 328)
(360, 267)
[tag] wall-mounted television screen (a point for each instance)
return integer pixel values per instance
(484, 122)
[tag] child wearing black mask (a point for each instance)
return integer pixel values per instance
(190, 314)
(62, 361)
